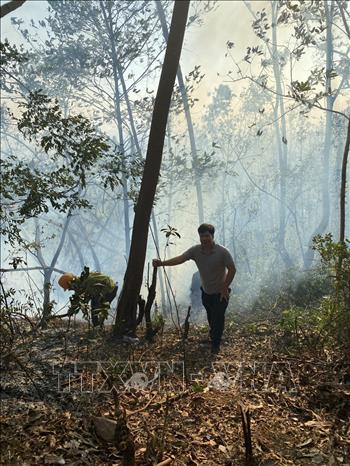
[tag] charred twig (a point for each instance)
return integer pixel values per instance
(166, 419)
(245, 416)
(149, 304)
(187, 324)
(185, 329)
(145, 307)
(131, 413)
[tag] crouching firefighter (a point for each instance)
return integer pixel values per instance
(96, 287)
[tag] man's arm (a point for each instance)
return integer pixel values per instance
(231, 272)
(174, 261)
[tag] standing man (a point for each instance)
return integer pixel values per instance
(217, 270)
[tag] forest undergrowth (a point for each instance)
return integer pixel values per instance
(181, 405)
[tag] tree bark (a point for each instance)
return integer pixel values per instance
(10, 7)
(343, 187)
(126, 311)
(135, 141)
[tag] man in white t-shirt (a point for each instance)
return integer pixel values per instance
(217, 270)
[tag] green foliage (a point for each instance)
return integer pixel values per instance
(27, 192)
(170, 231)
(198, 387)
(329, 321)
(158, 321)
(282, 291)
(80, 302)
(70, 152)
(304, 324)
(336, 257)
(72, 139)
(10, 60)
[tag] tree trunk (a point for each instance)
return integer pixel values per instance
(97, 264)
(135, 141)
(343, 187)
(281, 146)
(184, 98)
(49, 269)
(279, 113)
(118, 115)
(77, 249)
(9, 7)
(126, 312)
(309, 256)
(223, 208)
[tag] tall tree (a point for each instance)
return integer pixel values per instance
(9, 7)
(330, 98)
(126, 312)
(188, 116)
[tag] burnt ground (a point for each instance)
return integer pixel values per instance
(180, 404)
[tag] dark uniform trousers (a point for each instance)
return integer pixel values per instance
(96, 304)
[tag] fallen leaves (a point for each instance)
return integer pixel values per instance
(105, 428)
(201, 428)
(53, 459)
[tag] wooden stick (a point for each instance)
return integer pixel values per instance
(245, 415)
(165, 462)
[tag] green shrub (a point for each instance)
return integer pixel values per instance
(293, 289)
(328, 322)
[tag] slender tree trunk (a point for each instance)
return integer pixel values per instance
(135, 141)
(309, 256)
(343, 186)
(48, 270)
(281, 144)
(188, 116)
(97, 264)
(77, 249)
(126, 312)
(279, 114)
(118, 114)
(223, 208)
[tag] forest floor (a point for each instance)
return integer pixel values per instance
(53, 386)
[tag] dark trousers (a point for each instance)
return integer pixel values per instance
(96, 305)
(216, 316)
